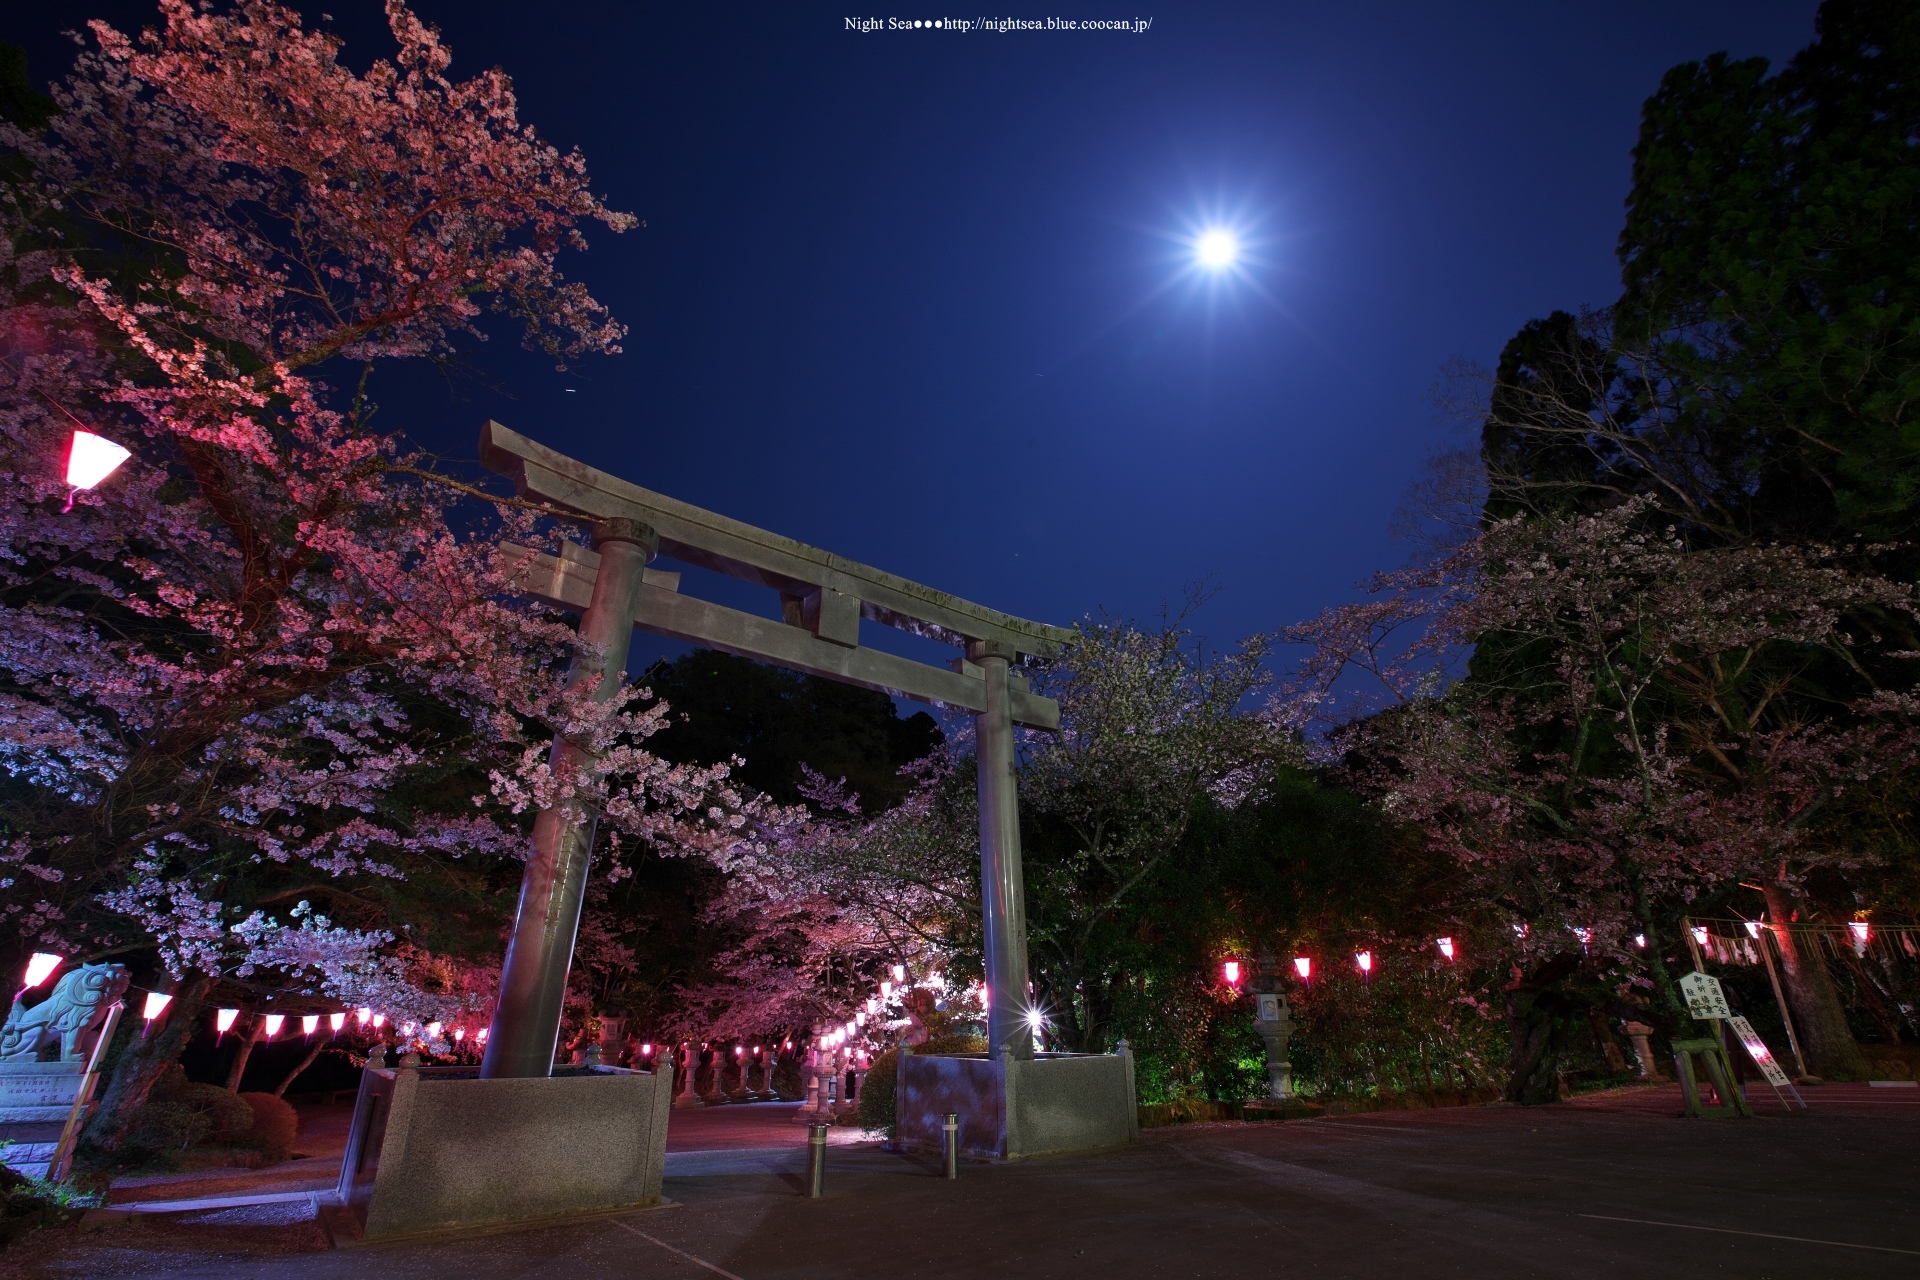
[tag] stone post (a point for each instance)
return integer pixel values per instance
(533, 981)
(1002, 887)
(613, 1041)
(1642, 1050)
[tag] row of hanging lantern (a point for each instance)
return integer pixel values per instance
(43, 964)
(1303, 965)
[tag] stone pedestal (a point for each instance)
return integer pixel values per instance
(437, 1151)
(1642, 1049)
(1011, 1108)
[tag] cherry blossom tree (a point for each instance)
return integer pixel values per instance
(276, 659)
(1633, 732)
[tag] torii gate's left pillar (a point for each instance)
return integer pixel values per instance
(533, 982)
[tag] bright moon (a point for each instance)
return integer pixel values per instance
(1217, 249)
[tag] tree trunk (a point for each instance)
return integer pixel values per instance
(319, 1047)
(1825, 1038)
(1537, 1014)
(141, 1056)
(249, 1038)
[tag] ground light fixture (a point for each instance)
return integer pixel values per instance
(364, 1016)
(1753, 928)
(223, 1021)
(274, 1022)
(155, 1006)
(91, 459)
(1365, 960)
(646, 1050)
(900, 973)
(40, 967)
(380, 1020)
(1446, 947)
(480, 1036)
(1232, 970)
(309, 1024)
(1304, 966)
(1640, 940)
(1700, 934)
(886, 991)
(459, 1034)
(336, 1021)
(433, 1031)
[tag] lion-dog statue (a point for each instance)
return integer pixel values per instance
(79, 1004)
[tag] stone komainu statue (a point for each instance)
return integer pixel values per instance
(79, 1004)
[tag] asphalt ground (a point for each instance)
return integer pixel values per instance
(1612, 1186)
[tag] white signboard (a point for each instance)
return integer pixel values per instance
(1704, 997)
(1758, 1051)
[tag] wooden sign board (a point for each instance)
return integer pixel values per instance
(1705, 1000)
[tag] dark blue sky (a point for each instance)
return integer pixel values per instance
(923, 297)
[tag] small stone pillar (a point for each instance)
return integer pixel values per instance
(1642, 1050)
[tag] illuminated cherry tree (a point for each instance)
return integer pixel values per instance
(1631, 735)
(275, 657)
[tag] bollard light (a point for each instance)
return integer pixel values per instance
(1304, 966)
(480, 1036)
(274, 1022)
(379, 1021)
(1640, 940)
(739, 1051)
(1700, 934)
(223, 1021)
(886, 991)
(1365, 960)
(336, 1021)
(40, 967)
(1232, 970)
(433, 1031)
(646, 1050)
(1860, 930)
(860, 1018)
(1446, 947)
(364, 1016)
(156, 1004)
(900, 973)
(310, 1024)
(1753, 928)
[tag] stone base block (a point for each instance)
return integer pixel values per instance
(437, 1151)
(1010, 1109)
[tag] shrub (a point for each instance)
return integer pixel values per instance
(789, 1083)
(178, 1116)
(877, 1092)
(275, 1125)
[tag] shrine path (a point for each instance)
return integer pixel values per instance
(1615, 1184)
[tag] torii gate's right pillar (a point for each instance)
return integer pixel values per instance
(1003, 895)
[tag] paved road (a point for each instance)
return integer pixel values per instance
(1611, 1187)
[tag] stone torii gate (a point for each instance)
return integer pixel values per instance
(823, 600)
(435, 1152)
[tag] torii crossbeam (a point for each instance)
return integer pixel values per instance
(823, 599)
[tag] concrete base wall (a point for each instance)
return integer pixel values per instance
(1009, 1109)
(437, 1150)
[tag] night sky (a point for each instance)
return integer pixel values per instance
(927, 298)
